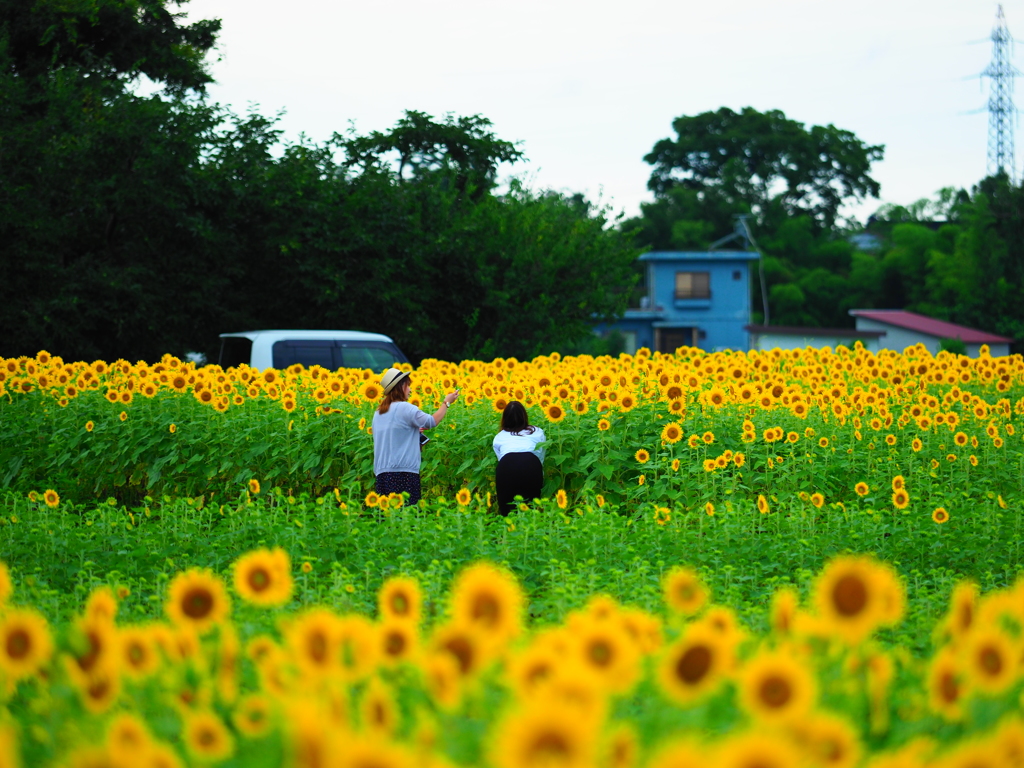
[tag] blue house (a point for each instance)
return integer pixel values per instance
(689, 298)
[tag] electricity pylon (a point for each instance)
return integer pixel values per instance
(1001, 112)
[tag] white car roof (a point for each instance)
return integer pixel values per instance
(273, 336)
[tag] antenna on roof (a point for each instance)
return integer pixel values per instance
(742, 232)
(743, 222)
(1001, 111)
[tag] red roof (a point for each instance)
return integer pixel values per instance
(930, 326)
(804, 330)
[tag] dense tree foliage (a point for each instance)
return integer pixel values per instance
(133, 226)
(959, 256)
(762, 163)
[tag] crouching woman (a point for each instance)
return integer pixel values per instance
(520, 455)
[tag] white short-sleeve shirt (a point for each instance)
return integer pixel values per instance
(524, 442)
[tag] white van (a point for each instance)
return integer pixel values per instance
(330, 349)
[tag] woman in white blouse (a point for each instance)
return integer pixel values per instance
(520, 458)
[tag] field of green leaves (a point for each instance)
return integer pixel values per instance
(755, 560)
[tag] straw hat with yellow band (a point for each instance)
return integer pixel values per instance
(391, 378)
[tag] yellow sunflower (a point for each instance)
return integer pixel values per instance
(378, 710)
(555, 413)
(940, 515)
(547, 734)
(313, 641)
(6, 585)
(263, 577)
(756, 749)
(828, 740)
(371, 391)
(206, 737)
(252, 715)
(399, 641)
(621, 748)
(51, 498)
(774, 687)
(684, 591)
(139, 652)
(603, 425)
(607, 653)
(197, 599)
(400, 598)
(855, 595)
(694, 665)
(679, 753)
(463, 497)
(25, 643)
(642, 456)
(489, 600)
(464, 644)
(991, 660)
(671, 433)
(945, 685)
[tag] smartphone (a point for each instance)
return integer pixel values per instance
(424, 439)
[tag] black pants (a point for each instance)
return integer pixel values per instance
(518, 474)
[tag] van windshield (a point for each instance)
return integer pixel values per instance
(234, 351)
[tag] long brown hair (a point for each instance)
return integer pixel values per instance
(396, 395)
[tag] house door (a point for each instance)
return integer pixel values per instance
(670, 339)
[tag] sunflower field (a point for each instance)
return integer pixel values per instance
(793, 558)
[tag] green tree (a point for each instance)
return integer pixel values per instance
(764, 162)
(135, 226)
(111, 41)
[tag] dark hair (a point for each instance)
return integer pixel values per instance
(515, 420)
(397, 394)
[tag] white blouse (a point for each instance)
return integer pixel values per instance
(506, 442)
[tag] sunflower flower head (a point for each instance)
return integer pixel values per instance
(488, 600)
(684, 591)
(263, 577)
(197, 599)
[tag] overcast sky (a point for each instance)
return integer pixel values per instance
(589, 87)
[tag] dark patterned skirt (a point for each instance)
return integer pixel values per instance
(400, 482)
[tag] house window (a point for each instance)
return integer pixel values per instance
(693, 285)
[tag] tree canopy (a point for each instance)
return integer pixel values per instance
(108, 40)
(135, 226)
(762, 163)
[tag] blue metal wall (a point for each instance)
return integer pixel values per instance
(720, 319)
